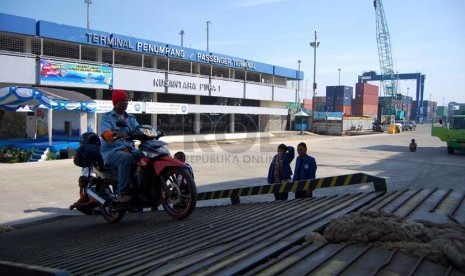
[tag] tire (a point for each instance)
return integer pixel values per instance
(111, 210)
(179, 192)
(450, 150)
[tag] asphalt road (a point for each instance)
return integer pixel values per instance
(35, 191)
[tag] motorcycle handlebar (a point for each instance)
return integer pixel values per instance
(137, 134)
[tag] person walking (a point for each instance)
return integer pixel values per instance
(280, 168)
(305, 168)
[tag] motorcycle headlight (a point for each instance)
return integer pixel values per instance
(164, 150)
(150, 154)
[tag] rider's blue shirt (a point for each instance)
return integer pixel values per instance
(108, 122)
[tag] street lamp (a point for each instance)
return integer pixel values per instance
(88, 2)
(182, 35)
(298, 81)
(339, 76)
(298, 96)
(408, 103)
(314, 44)
(208, 34)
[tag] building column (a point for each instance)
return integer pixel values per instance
(197, 124)
(154, 118)
(154, 60)
(97, 117)
(82, 122)
(232, 118)
(28, 45)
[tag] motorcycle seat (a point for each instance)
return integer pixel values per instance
(105, 168)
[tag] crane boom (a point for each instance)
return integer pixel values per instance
(384, 53)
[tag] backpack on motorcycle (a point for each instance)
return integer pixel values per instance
(88, 152)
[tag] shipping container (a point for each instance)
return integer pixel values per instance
(308, 104)
(339, 95)
(320, 107)
(366, 99)
(366, 89)
(330, 99)
(346, 109)
(365, 110)
(330, 108)
(320, 100)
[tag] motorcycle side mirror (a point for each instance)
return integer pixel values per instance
(121, 124)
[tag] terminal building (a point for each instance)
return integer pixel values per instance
(183, 90)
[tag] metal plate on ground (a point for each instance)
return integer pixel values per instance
(266, 237)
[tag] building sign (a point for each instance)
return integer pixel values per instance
(166, 108)
(75, 74)
(186, 85)
(157, 48)
(136, 107)
(292, 105)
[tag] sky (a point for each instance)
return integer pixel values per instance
(427, 36)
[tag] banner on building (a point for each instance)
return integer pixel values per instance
(75, 74)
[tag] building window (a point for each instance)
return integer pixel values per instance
(126, 58)
(11, 43)
(88, 53)
(180, 66)
(55, 48)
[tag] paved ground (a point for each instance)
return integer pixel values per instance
(35, 191)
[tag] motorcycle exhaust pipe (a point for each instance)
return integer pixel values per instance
(91, 192)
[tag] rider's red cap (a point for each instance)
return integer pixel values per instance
(118, 95)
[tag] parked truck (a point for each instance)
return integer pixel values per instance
(452, 133)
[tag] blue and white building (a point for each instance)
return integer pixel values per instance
(185, 90)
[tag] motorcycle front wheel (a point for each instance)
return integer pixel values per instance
(179, 193)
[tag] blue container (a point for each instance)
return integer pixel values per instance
(330, 98)
(343, 95)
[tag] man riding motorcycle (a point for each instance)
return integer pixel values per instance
(116, 149)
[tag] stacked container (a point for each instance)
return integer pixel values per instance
(366, 99)
(339, 99)
(308, 104)
(320, 104)
(429, 107)
(386, 105)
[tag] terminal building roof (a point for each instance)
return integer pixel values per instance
(97, 38)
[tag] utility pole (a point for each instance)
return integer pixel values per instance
(339, 76)
(208, 34)
(88, 2)
(315, 45)
(182, 36)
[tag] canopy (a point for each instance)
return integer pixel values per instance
(301, 114)
(13, 97)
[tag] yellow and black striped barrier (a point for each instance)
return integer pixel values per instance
(302, 185)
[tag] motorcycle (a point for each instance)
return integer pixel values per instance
(157, 178)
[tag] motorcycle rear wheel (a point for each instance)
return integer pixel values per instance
(111, 211)
(179, 192)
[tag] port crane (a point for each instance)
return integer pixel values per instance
(389, 83)
(388, 78)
